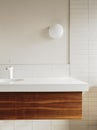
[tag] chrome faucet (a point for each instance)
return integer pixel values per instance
(11, 69)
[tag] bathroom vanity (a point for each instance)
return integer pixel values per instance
(43, 98)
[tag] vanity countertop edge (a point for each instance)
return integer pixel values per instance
(45, 85)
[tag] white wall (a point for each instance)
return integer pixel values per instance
(24, 31)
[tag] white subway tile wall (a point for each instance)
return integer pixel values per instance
(84, 58)
(83, 66)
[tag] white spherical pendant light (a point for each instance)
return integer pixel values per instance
(56, 31)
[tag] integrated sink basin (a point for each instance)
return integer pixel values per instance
(59, 84)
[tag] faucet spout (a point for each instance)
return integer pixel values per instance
(11, 69)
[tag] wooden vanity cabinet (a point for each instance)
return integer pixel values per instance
(40, 105)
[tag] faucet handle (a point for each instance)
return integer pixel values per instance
(9, 68)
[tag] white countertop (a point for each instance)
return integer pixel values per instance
(61, 84)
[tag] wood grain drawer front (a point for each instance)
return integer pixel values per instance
(29, 105)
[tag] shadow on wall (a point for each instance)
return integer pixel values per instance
(44, 34)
